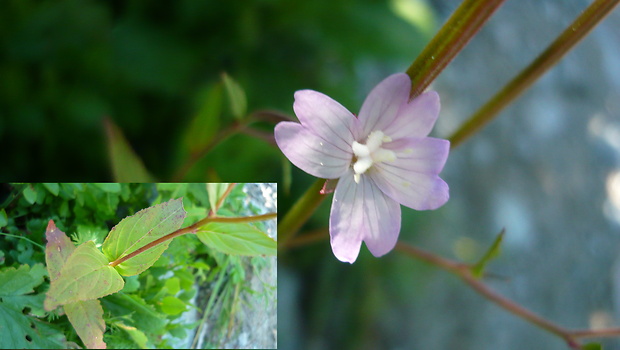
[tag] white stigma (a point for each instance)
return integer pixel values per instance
(371, 153)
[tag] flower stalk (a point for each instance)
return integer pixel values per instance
(464, 23)
(300, 212)
(576, 31)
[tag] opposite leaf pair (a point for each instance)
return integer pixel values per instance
(79, 276)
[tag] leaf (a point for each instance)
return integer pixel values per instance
(3, 218)
(142, 314)
(172, 305)
(136, 335)
(236, 97)
(57, 250)
(87, 319)
(492, 252)
(20, 330)
(125, 163)
(206, 121)
(110, 187)
(86, 275)
(215, 190)
(54, 188)
(30, 193)
(237, 239)
(136, 231)
(20, 281)
(592, 346)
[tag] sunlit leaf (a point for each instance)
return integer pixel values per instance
(236, 97)
(216, 190)
(85, 276)
(30, 193)
(135, 334)
(237, 239)
(125, 163)
(111, 187)
(87, 319)
(54, 188)
(57, 250)
(172, 305)
(136, 231)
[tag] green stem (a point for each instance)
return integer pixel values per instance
(569, 38)
(192, 229)
(464, 23)
(207, 312)
(24, 238)
(300, 212)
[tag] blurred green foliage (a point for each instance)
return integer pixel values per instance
(148, 66)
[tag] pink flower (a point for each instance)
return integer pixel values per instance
(383, 158)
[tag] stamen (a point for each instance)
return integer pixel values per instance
(370, 153)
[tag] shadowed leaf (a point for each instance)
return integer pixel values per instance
(125, 163)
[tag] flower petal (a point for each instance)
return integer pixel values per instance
(416, 118)
(382, 105)
(360, 211)
(310, 152)
(412, 179)
(421, 155)
(325, 117)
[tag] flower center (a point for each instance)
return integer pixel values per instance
(370, 153)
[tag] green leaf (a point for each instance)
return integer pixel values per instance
(492, 252)
(125, 163)
(18, 329)
(216, 190)
(136, 231)
(87, 319)
(57, 250)
(206, 121)
(86, 275)
(237, 239)
(172, 305)
(173, 285)
(3, 218)
(54, 188)
(236, 97)
(110, 187)
(20, 281)
(30, 193)
(136, 335)
(592, 346)
(142, 314)
(132, 284)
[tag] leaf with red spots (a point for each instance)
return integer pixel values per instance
(86, 275)
(87, 319)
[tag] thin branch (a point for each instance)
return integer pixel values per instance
(464, 272)
(192, 229)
